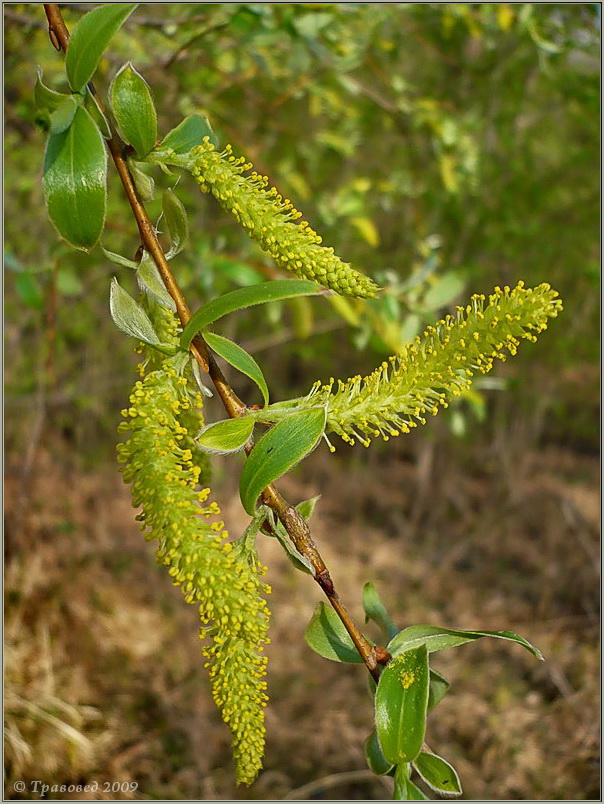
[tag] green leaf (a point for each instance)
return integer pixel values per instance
(117, 259)
(61, 118)
(177, 222)
(94, 110)
(413, 793)
(129, 316)
(296, 559)
(376, 611)
(226, 436)
(134, 110)
(68, 282)
(188, 134)
(151, 282)
(327, 636)
(376, 760)
(29, 290)
(239, 359)
(404, 789)
(281, 448)
(306, 507)
(438, 774)
(401, 705)
(238, 299)
(47, 100)
(145, 184)
(436, 638)
(75, 177)
(438, 688)
(89, 39)
(446, 288)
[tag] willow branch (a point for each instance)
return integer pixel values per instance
(296, 526)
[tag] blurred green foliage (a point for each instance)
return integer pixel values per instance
(440, 148)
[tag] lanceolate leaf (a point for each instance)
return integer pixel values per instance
(438, 774)
(47, 100)
(189, 133)
(376, 611)
(276, 452)
(177, 221)
(375, 758)
(438, 688)
(75, 175)
(90, 37)
(245, 297)
(239, 358)
(327, 636)
(129, 316)
(436, 638)
(149, 279)
(61, 118)
(134, 110)
(225, 436)
(401, 704)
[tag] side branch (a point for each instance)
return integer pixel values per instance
(296, 526)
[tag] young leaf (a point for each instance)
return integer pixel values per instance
(296, 559)
(438, 774)
(327, 636)
(150, 281)
(262, 293)
(276, 452)
(117, 259)
(226, 436)
(404, 789)
(145, 184)
(90, 37)
(29, 290)
(61, 118)
(47, 100)
(188, 134)
(413, 793)
(401, 705)
(376, 760)
(129, 316)
(436, 638)
(177, 222)
(306, 507)
(376, 611)
(239, 358)
(134, 110)
(74, 179)
(438, 688)
(97, 114)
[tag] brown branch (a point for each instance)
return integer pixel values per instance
(296, 526)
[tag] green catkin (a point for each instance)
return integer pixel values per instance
(272, 221)
(222, 578)
(432, 370)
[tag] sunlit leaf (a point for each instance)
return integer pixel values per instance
(376, 760)
(436, 638)
(327, 636)
(226, 436)
(239, 359)
(62, 116)
(246, 297)
(177, 222)
(278, 451)
(188, 134)
(74, 179)
(89, 39)
(401, 705)
(376, 611)
(438, 774)
(134, 109)
(129, 316)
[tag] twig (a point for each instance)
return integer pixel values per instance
(296, 526)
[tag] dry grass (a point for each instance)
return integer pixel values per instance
(104, 678)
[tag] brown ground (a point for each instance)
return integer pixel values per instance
(104, 678)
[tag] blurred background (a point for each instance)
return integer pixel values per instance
(442, 149)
